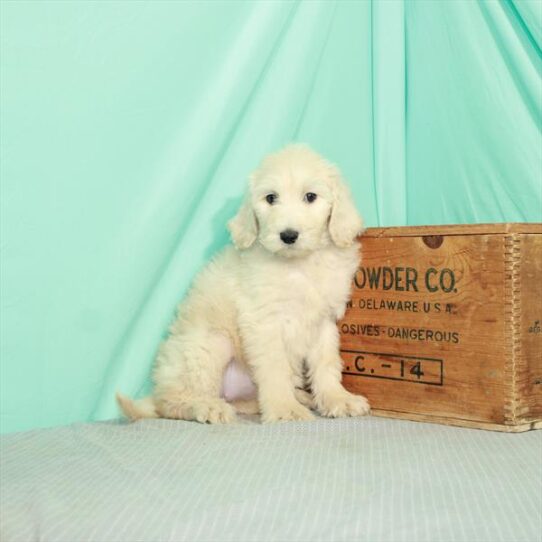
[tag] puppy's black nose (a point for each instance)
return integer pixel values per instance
(289, 236)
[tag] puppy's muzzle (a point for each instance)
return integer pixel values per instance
(289, 236)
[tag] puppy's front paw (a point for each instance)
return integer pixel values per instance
(286, 412)
(213, 411)
(343, 404)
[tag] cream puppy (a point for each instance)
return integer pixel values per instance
(270, 304)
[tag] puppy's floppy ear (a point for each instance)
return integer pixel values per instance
(345, 223)
(244, 226)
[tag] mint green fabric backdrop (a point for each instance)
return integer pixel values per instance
(128, 130)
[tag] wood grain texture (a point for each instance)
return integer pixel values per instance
(529, 378)
(436, 326)
(454, 229)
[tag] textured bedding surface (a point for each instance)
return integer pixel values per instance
(371, 479)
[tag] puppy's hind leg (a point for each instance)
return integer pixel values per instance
(188, 377)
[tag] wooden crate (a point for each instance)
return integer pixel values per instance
(445, 323)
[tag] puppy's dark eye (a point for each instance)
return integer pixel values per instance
(310, 197)
(271, 198)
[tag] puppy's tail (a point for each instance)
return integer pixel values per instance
(135, 409)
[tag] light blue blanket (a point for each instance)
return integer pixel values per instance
(372, 479)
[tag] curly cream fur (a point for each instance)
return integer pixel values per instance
(270, 306)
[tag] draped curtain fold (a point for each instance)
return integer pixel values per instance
(128, 130)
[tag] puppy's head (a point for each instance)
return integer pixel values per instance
(297, 203)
